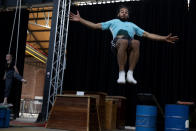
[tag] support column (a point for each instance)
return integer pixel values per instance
(56, 62)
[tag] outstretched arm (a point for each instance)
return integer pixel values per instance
(77, 18)
(16, 70)
(169, 38)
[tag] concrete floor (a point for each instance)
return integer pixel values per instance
(21, 127)
(47, 129)
(39, 129)
(28, 129)
(33, 128)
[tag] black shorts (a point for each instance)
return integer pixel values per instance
(114, 42)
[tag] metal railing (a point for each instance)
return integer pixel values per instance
(30, 108)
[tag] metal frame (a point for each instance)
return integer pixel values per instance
(57, 62)
(10, 4)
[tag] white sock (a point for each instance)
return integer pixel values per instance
(122, 73)
(130, 77)
(130, 71)
(121, 77)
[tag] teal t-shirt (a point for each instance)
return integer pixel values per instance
(115, 25)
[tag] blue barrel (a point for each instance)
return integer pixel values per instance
(4, 117)
(176, 117)
(146, 116)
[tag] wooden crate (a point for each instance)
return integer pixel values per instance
(75, 113)
(100, 102)
(121, 106)
(110, 114)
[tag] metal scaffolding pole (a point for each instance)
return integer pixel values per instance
(56, 58)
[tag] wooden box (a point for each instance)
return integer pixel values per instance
(100, 103)
(110, 114)
(121, 105)
(74, 113)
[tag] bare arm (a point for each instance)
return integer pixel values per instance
(77, 18)
(169, 38)
(16, 70)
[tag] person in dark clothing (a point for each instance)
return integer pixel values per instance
(11, 72)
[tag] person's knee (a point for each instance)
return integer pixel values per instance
(122, 44)
(135, 44)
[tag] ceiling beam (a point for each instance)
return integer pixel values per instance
(11, 4)
(43, 49)
(40, 30)
(39, 18)
(35, 41)
(31, 33)
(40, 11)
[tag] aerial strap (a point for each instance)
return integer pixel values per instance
(13, 27)
(18, 33)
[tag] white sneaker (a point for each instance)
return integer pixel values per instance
(121, 78)
(130, 78)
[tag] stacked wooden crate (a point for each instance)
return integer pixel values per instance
(76, 113)
(120, 114)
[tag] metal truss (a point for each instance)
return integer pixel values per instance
(58, 62)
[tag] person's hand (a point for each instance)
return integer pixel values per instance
(171, 39)
(74, 17)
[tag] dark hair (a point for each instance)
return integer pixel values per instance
(122, 6)
(118, 11)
